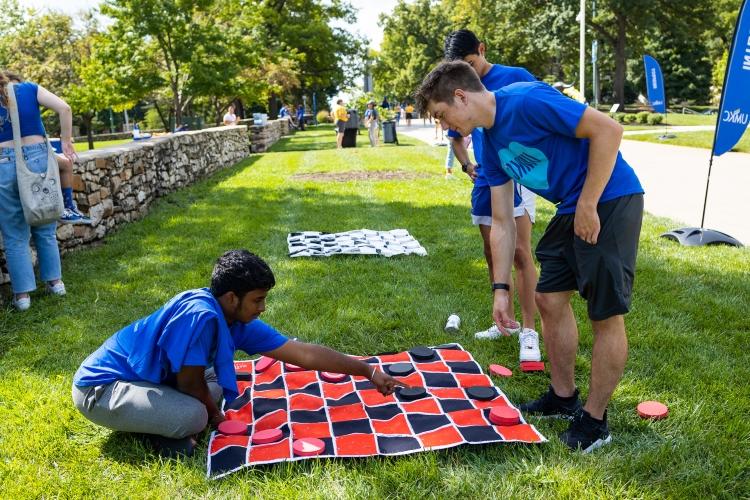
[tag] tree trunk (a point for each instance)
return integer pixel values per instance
(177, 105)
(620, 61)
(87, 119)
(164, 121)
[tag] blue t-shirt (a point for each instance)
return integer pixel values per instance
(496, 78)
(189, 330)
(28, 113)
(533, 142)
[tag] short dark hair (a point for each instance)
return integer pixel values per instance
(240, 271)
(442, 82)
(460, 44)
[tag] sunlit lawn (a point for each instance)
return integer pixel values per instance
(688, 334)
(84, 146)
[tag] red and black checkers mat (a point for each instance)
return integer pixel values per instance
(350, 418)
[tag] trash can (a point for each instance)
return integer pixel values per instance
(389, 132)
(351, 128)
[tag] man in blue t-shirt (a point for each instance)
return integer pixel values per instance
(163, 375)
(464, 45)
(567, 153)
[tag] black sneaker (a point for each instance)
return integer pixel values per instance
(552, 405)
(586, 433)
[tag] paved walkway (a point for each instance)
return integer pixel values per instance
(671, 129)
(674, 178)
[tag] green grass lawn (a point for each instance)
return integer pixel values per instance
(699, 139)
(688, 333)
(84, 146)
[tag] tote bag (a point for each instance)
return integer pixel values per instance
(40, 194)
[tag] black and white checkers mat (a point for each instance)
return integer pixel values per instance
(356, 242)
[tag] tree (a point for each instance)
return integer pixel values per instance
(413, 36)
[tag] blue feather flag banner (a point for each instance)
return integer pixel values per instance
(734, 112)
(655, 84)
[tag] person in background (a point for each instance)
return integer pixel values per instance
(372, 121)
(397, 111)
(340, 117)
(165, 374)
(464, 45)
(409, 114)
(385, 104)
(301, 117)
(15, 231)
(230, 118)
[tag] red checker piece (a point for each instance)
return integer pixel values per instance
(232, 427)
(532, 366)
(504, 415)
(500, 371)
(653, 410)
(293, 368)
(263, 364)
(267, 436)
(308, 447)
(332, 377)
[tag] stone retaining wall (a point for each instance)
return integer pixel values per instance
(117, 185)
(263, 137)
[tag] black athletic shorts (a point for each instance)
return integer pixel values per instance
(602, 273)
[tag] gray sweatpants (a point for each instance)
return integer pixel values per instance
(145, 408)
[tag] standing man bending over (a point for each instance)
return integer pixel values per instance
(464, 45)
(164, 374)
(567, 153)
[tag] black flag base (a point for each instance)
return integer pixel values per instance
(664, 137)
(698, 237)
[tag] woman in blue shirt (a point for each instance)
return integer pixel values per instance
(16, 232)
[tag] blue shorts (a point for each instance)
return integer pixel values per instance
(524, 201)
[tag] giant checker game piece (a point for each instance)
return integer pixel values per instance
(356, 242)
(352, 419)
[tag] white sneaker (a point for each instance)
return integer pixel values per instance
(529, 341)
(449, 176)
(491, 333)
(22, 304)
(56, 289)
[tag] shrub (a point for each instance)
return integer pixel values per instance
(629, 118)
(642, 117)
(655, 119)
(323, 116)
(620, 117)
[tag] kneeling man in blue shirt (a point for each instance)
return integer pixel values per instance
(568, 154)
(163, 375)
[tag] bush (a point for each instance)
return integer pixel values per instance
(655, 119)
(153, 121)
(619, 117)
(629, 118)
(642, 117)
(323, 116)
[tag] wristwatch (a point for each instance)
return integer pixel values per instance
(465, 167)
(500, 286)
